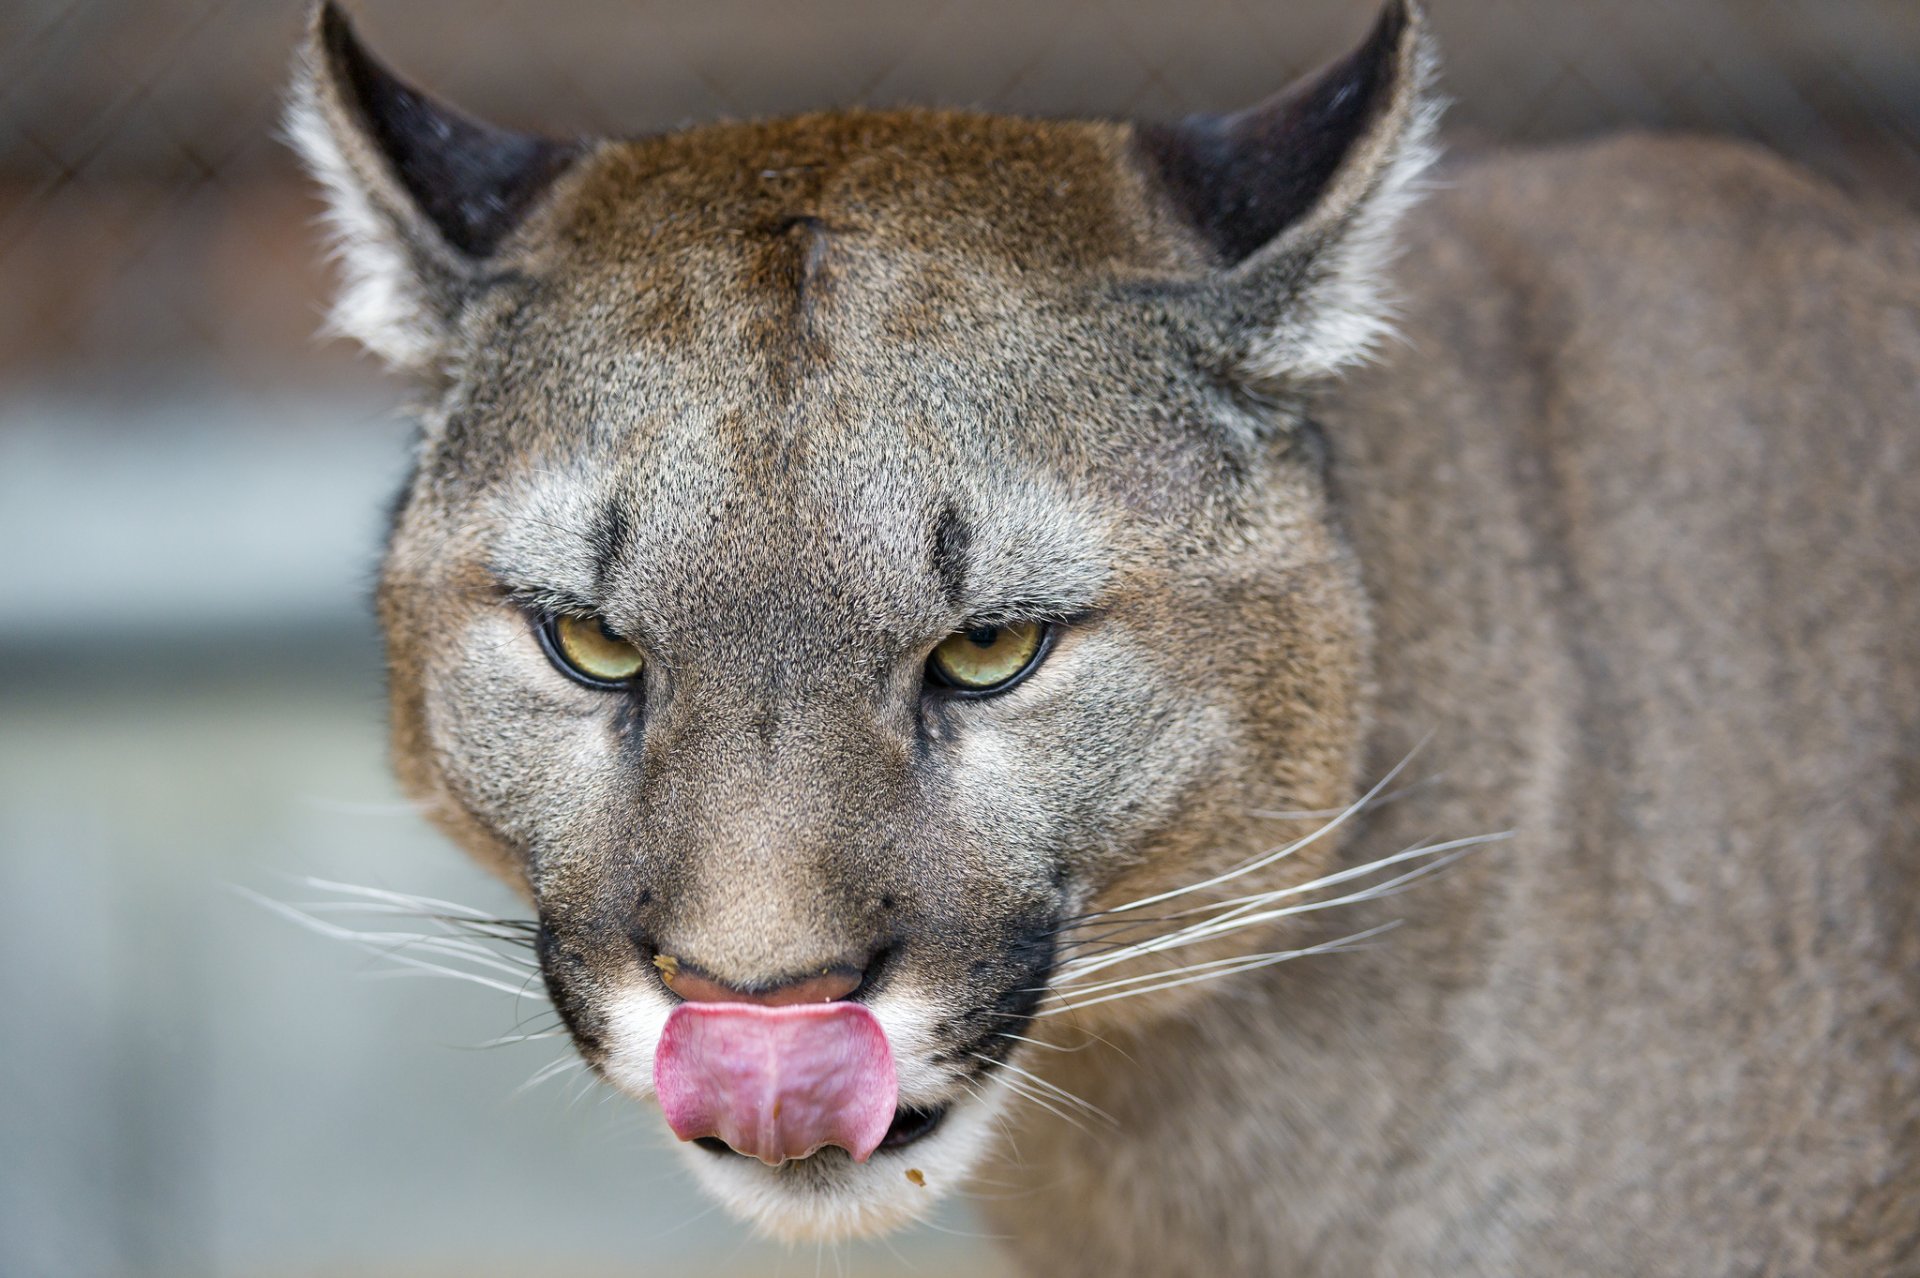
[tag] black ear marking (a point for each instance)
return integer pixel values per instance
(472, 181)
(1243, 178)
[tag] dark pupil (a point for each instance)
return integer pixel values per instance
(984, 636)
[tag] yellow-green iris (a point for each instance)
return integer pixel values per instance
(986, 658)
(588, 649)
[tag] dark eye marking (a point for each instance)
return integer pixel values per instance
(952, 541)
(611, 536)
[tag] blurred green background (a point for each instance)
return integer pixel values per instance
(191, 496)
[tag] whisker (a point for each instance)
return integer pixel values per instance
(1051, 1047)
(1248, 912)
(381, 944)
(1092, 1036)
(1264, 859)
(1055, 1089)
(552, 1069)
(1166, 973)
(999, 1118)
(518, 931)
(1315, 814)
(1418, 850)
(1249, 964)
(898, 1255)
(1194, 936)
(1032, 1095)
(501, 931)
(447, 947)
(505, 1039)
(426, 904)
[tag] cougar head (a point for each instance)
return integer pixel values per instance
(846, 554)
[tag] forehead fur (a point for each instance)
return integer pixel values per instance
(813, 246)
(1025, 194)
(823, 259)
(847, 322)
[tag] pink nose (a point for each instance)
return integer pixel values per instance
(777, 1082)
(824, 986)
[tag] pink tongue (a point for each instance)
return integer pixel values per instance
(777, 1082)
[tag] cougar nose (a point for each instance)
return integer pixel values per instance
(821, 985)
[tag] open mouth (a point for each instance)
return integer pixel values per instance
(909, 1125)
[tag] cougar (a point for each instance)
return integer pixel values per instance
(1299, 707)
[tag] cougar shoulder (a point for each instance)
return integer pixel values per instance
(1634, 503)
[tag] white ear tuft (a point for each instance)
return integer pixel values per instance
(1298, 199)
(420, 197)
(379, 302)
(1344, 319)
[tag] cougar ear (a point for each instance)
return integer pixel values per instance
(420, 196)
(1296, 200)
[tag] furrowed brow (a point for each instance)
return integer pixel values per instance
(558, 549)
(952, 544)
(1032, 557)
(611, 542)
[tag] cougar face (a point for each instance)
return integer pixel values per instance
(848, 553)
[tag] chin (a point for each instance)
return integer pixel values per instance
(828, 1196)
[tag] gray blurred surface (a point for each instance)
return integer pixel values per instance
(149, 218)
(170, 86)
(186, 513)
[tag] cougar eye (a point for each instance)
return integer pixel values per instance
(586, 650)
(987, 659)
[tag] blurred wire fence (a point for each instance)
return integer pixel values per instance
(149, 220)
(190, 493)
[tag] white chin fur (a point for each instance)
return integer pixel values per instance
(828, 1196)
(831, 1197)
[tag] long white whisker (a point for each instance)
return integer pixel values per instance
(1055, 1089)
(999, 1118)
(1051, 1047)
(552, 1069)
(1031, 1094)
(1257, 961)
(1142, 978)
(1160, 974)
(427, 904)
(1286, 850)
(505, 1039)
(448, 941)
(1247, 911)
(494, 929)
(386, 951)
(446, 947)
(1316, 814)
(1418, 850)
(1240, 921)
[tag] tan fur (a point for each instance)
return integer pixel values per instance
(1624, 522)
(1634, 503)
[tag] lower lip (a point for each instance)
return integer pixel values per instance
(909, 1126)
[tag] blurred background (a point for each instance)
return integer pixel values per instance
(191, 495)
